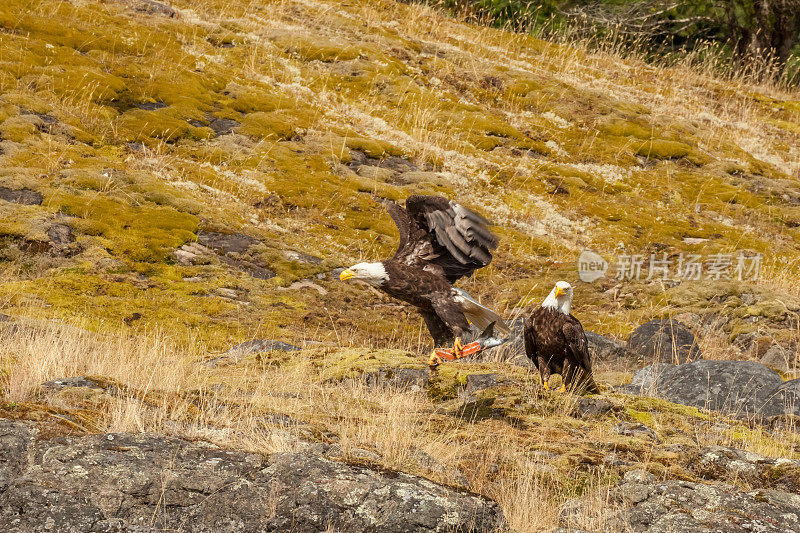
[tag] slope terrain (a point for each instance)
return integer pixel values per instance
(178, 179)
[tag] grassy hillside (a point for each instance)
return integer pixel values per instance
(107, 107)
(152, 134)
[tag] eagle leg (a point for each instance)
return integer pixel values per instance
(437, 357)
(458, 348)
(546, 385)
(434, 360)
(563, 388)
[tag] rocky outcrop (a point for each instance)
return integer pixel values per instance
(735, 387)
(415, 379)
(147, 482)
(782, 400)
(20, 196)
(685, 507)
(768, 503)
(664, 341)
(720, 463)
(228, 248)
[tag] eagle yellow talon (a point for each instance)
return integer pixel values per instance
(458, 347)
(546, 385)
(563, 388)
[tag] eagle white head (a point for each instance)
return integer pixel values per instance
(560, 298)
(373, 273)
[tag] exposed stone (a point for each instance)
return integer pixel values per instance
(21, 196)
(684, 507)
(476, 382)
(605, 348)
(148, 482)
(315, 494)
(664, 341)
(262, 345)
(779, 358)
(230, 294)
(152, 106)
(223, 126)
(150, 7)
(783, 399)
(299, 257)
(225, 243)
(248, 267)
(61, 240)
(190, 253)
(307, 284)
(633, 429)
(602, 348)
(721, 463)
(735, 387)
(589, 408)
(638, 475)
(415, 379)
(63, 383)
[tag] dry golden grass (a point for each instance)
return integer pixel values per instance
(531, 466)
(532, 456)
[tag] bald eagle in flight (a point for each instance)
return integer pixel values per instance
(440, 242)
(556, 343)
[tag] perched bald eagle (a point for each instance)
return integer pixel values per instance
(556, 343)
(440, 242)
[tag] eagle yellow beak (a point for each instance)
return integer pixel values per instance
(346, 274)
(559, 290)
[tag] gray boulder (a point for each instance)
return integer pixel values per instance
(147, 482)
(263, 345)
(606, 348)
(780, 358)
(591, 408)
(720, 463)
(226, 242)
(771, 503)
(684, 507)
(664, 341)
(784, 399)
(20, 196)
(735, 387)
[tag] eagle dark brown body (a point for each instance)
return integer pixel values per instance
(556, 343)
(440, 242)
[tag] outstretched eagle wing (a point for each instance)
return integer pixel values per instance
(435, 231)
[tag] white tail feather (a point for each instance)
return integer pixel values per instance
(479, 315)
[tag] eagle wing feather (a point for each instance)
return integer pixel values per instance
(529, 336)
(577, 344)
(459, 237)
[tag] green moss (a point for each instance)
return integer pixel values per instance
(642, 417)
(624, 128)
(164, 124)
(663, 149)
(276, 125)
(774, 310)
(137, 232)
(317, 48)
(373, 148)
(18, 129)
